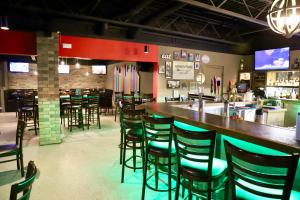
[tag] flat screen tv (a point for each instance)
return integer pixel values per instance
(18, 67)
(63, 69)
(99, 69)
(272, 59)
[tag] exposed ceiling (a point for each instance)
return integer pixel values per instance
(239, 24)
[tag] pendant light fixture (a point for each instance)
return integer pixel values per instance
(284, 17)
(4, 23)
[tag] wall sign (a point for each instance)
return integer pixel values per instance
(67, 46)
(183, 70)
(166, 56)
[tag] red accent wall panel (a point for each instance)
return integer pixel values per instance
(102, 49)
(155, 80)
(17, 43)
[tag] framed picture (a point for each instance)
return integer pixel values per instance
(183, 70)
(183, 54)
(197, 65)
(171, 84)
(162, 69)
(197, 57)
(168, 69)
(190, 57)
(176, 55)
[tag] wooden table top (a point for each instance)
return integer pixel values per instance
(278, 138)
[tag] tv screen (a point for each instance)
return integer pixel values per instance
(18, 67)
(63, 69)
(99, 69)
(273, 59)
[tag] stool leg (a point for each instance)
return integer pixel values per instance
(18, 162)
(145, 176)
(22, 165)
(156, 173)
(134, 156)
(177, 185)
(209, 191)
(190, 192)
(169, 178)
(123, 162)
(121, 146)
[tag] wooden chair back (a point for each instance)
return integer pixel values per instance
(20, 133)
(195, 146)
(24, 186)
(265, 171)
(157, 129)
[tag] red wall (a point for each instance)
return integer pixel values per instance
(17, 43)
(107, 49)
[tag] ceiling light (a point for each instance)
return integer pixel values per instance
(4, 23)
(284, 17)
(146, 49)
(77, 65)
(87, 73)
(35, 73)
(62, 62)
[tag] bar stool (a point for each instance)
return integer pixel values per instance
(75, 117)
(29, 111)
(261, 177)
(92, 108)
(118, 97)
(132, 128)
(123, 105)
(64, 104)
(196, 163)
(158, 140)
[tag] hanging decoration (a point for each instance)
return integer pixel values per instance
(126, 79)
(284, 17)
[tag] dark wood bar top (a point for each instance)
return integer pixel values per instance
(278, 138)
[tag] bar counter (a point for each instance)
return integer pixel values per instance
(277, 138)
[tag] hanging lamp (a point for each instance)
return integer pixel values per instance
(284, 17)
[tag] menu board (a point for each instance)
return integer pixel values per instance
(18, 67)
(63, 69)
(183, 70)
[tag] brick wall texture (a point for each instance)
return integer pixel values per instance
(75, 79)
(48, 89)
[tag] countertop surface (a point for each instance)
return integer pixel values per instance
(278, 138)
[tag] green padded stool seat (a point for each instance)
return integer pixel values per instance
(245, 195)
(218, 168)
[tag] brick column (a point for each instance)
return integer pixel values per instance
(48, 89)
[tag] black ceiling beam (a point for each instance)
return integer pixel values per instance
(163, 13)
(53, 13)
(135, 10)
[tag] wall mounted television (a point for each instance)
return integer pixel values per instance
(63, 69)
(18, 67)
(99, 69)
(272, 59)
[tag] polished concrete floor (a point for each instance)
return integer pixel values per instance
(85, 166)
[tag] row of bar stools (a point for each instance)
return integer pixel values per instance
(132, 128)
